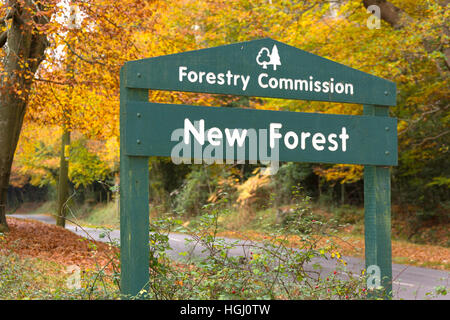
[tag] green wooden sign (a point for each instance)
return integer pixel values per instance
(305, 137)
(263, 68)
(260, 68)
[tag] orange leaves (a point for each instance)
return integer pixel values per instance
(80, 87)
(249, 190)
(37, 239)
(344, 173)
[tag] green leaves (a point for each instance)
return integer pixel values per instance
(85, 167)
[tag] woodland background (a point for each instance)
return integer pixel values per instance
(76, 89)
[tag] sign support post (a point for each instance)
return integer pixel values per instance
(134, 208)
(377, 214)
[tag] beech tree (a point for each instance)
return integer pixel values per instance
(23, 41)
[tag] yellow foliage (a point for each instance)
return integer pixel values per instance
(79, 81)
(344, 173)
(248, 191)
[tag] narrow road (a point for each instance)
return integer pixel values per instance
(410, 283)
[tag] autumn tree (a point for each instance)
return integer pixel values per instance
(29, 28)
(23, 41)
(420, 64)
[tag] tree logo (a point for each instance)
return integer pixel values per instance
(266, 57)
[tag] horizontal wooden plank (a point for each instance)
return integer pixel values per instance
(156, 129)
(260, 68)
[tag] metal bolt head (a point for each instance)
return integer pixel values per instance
(139, 75)
(138, 141)
(386, 93)
(386, 153)
(386, 128)
(138, 115)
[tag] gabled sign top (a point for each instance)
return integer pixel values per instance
(261, 68)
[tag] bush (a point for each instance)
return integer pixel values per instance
(289, 176)
(203, 185)
(347, 214)
(269, 269)
(194, 192)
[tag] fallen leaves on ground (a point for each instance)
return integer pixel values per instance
(39, 240)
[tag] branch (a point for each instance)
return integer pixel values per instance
(3, 38)
(51, 81)
(83, 58)
(413, 123)
(432, 138)
(393, 15)
(38, 9)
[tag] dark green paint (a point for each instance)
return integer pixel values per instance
(134, 208)
(377, 213)
(375, 133)
(240, 58)
(373, 140)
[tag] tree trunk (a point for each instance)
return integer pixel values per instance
(63, 184)
(23, 54)
(393, 15)
(11, 118)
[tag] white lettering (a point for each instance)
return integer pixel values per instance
(262, 75)
(245, 81)
(200, 76)
(344, 136)
(331, 140)
(304, 135)
(221, 79)
(348, 88)
(192, 76)
(232, 138)
(273, 83)
(264, 81)
(214, 133)
(198, 135)
(317, 139)
(181, 73)
(211, 78)
(291, 134)
(274, 135)
(339, 87)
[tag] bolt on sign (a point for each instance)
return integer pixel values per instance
(259, 68)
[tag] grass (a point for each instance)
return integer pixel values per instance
(46, 207)
(24, 278)
(31, 278)
(102, 215)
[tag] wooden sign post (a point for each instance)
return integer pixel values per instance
(260, 68)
